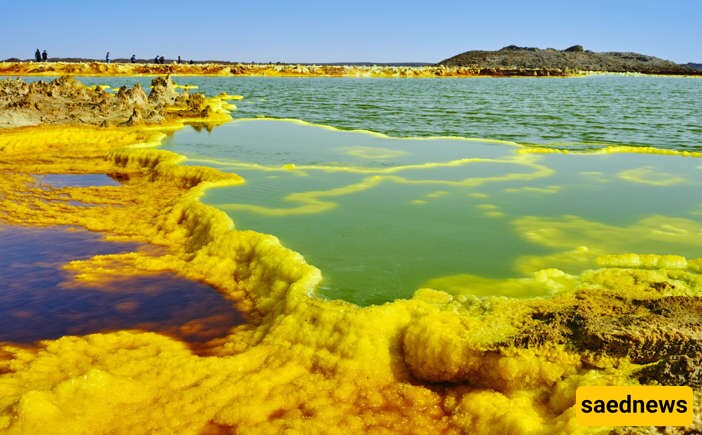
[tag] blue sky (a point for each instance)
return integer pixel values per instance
(332, 31)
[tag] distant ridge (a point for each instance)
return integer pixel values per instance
(508, 61)
(574, 58)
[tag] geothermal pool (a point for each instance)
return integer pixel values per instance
(41, 300)
(382, 217)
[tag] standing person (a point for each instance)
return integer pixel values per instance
(44, 56)
(178, 60)
(156, 59)
(107, 57)
(37, 55)
(161, 60)
(133, 58)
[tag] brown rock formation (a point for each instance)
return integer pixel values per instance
(67, 101)
(664, 333)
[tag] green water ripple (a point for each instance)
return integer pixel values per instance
(613, 109)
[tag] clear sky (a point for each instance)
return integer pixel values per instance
(346, 30)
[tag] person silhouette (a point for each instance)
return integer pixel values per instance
(133, 58)
(107, 57)
(44, 56)
(37, 55)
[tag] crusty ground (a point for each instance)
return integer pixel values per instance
(67, 101)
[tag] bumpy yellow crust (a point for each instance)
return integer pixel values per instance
(272, 70)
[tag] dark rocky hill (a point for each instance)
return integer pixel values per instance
(697, 66)
(572, 59)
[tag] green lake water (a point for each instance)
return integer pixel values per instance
(383, 216)
(650, 111)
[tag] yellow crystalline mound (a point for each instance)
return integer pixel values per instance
(140, 382)
(52, 138)
(444, 348)
(645, 261)
(545, 282)
(580, 242)
(485, 410)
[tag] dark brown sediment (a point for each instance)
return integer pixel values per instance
(664, 334)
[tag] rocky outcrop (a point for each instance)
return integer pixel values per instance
(574, 58)
(662, 334)
(163, 92)
(67, 101)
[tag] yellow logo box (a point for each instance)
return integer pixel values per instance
(634, 406)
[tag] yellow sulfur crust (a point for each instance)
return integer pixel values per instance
(272, 70)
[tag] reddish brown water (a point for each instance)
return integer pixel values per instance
(36, 303)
